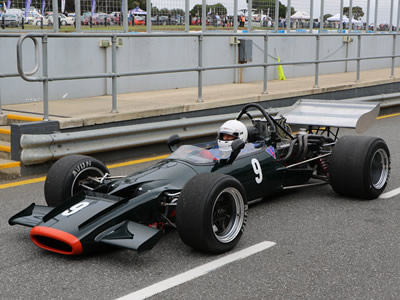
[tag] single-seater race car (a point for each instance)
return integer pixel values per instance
(203, 195)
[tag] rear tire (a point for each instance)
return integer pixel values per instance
(359, 166)
(211, 213)
(66, 174)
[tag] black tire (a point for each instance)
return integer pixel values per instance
(64, 177)
(211, 213)
(359, 166)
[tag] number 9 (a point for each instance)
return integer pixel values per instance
(257, 170)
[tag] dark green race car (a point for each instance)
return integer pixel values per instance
(206, 196)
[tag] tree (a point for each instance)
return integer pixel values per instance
(263, 5)
(216, 9)
(357, 12)
(327, 16)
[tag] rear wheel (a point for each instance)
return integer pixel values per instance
(212, 213)
(359, 166)
(66, 176)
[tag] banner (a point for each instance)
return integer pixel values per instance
(62, 6)
(43, 6)
(8, 4)
(93, 7)
(27, 6)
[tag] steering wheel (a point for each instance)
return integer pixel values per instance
(271, 123)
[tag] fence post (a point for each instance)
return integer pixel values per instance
(265, 62)
(288, 15)
(311, 25)
(55, 16)
(393, 54)
(249, 15)
(203, 15)
(316, 61)
(77, 15)
(125, 19)
(200, 71)
(351, 16)
(114, 73)
(235, 15)
(148, 16)
(358, 57)
(45, 79)
(187, 24)
(321, 17)
(341, 16)
(376, 16)
(276, 15)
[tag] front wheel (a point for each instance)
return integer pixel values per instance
(359, 166)
(67, 176)
(211, 213)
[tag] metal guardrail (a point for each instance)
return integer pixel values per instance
(37, 149)
(199, 68)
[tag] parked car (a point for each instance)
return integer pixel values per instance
(10, 20)
(102, 19)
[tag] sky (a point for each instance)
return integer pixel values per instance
(330, 6)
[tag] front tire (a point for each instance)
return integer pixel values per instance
(211, 213)
(359, 166)
(66, 175)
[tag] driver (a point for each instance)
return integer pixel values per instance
(230, 131)
(227, 133)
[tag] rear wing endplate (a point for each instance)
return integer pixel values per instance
(332, 113)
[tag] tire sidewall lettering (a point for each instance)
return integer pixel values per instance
(81, 166)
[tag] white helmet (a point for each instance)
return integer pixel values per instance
(230, 131)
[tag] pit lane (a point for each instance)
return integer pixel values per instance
(327, 247)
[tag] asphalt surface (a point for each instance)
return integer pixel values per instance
(327, 247)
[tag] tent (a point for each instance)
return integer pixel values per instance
(300, 15)
(137, 11)
(336, 18)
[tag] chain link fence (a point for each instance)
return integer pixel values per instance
(189, 15)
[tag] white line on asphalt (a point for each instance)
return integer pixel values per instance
(196, 272)
(390, 194)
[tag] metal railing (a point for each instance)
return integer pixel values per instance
(45, 78)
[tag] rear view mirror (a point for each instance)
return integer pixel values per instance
(172, 142)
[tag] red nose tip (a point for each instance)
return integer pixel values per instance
(56, 240)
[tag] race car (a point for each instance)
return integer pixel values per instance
(203, 195)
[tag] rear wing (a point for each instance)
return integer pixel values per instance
(332, 113)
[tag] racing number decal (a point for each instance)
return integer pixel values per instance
(257, 170)
(75, 208)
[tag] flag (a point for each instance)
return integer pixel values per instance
(43, 6)
(27, 6)
(93, 7)
(8, 4)
(62, 6)
(271, 151)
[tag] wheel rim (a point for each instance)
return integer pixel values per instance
(228, 215)
(379, 169)
(82, 176)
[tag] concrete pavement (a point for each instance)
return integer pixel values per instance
(97, 110)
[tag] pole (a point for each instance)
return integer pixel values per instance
(200, 72)
(341, 16)
(311, 15)
(321, 17)
(288, 9)
(114, 72)
(203, 15)
(351, 16)
(148, 16)
(45, 71)
(265, 62)
(187, 25)
(277, 15)
(376, 17)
